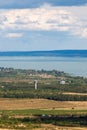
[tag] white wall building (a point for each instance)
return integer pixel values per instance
(62, 82)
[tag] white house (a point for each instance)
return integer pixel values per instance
(62, 82)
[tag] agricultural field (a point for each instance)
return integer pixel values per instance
(17, 104)
(39, 114)
(58, 103)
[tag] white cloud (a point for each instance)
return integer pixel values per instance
(43, 18)
(14, 35)
(39, 18)
(82, 32)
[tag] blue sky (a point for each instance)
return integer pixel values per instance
(36, 3)
(28, 25)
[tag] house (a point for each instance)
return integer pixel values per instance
(62, 82)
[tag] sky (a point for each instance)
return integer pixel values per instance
(32, 25)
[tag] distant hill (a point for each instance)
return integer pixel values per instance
(61, 53)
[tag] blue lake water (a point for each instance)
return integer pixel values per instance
(72, 65)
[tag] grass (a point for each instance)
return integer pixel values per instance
(35, 118)
(28, 112)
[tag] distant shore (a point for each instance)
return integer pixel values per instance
(61, 53)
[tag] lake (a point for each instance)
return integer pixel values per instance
(72, 65)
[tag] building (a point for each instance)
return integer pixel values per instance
(62, 82)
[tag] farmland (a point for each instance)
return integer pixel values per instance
(41, 114)
(51, 106)
(17, 104)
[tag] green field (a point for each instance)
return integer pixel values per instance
(44, 112)
(34, 118)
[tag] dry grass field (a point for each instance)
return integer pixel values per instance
(17, 104)
(70, 93)
(52, 127)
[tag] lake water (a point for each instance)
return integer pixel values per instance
(71, 65)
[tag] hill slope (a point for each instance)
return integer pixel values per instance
(61, 53)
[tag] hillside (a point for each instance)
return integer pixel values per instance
(61, 53)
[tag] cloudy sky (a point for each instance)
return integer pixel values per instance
(29, 25)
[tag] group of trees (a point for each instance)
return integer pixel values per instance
(52, 92)
(21, 85)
